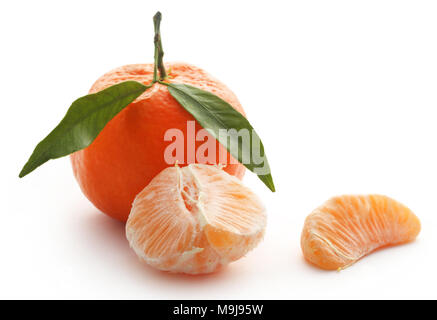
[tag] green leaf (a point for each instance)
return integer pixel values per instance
(85, 118)
(217, 116)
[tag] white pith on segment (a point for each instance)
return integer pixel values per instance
(204, 199)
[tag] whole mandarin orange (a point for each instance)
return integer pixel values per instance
(129, 152)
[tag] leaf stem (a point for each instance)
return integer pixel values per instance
(159, 52)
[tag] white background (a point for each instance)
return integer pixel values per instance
(343, 94)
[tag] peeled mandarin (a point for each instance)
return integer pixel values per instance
(194, 220)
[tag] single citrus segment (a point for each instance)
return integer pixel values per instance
(194, 220)
(346, 228)
(129, 152)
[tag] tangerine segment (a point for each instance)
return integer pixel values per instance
(194, 220)
(346, 228)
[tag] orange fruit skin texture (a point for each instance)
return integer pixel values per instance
(194, 220)
(346, 228)
(129, 152)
